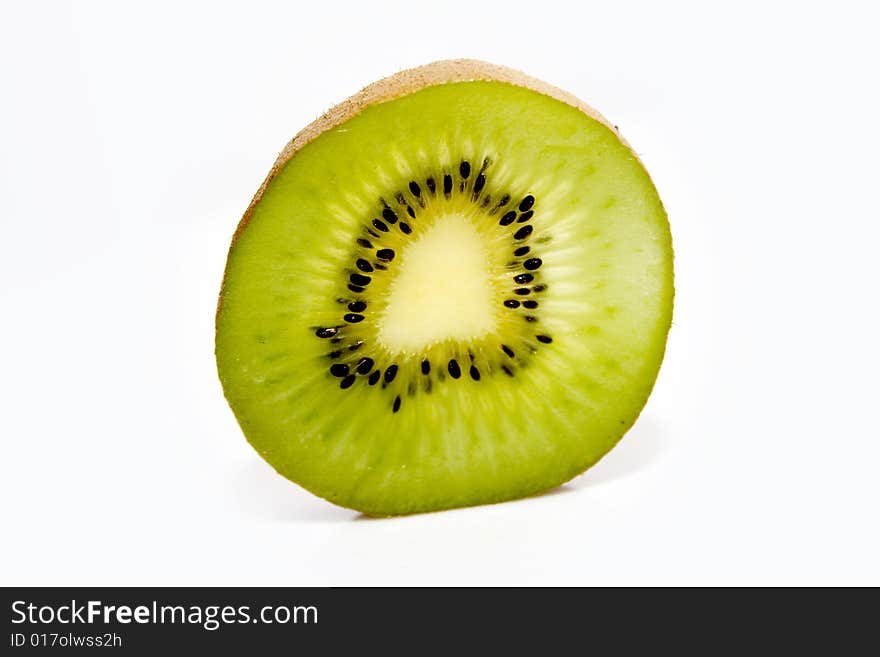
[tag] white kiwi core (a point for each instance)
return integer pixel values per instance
(442, 289)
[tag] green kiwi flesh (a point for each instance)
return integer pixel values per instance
(453, 289)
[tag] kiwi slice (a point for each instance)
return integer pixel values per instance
(454, 288)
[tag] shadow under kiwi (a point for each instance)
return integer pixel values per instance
(264, 493)
(643, 446)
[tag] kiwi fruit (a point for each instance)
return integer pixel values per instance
(452, 289)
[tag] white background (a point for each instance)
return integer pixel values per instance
(132, 139)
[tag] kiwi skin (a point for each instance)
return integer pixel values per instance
(403, 83)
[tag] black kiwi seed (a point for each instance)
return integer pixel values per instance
(390, 373)
(507, 350)
(380, 226)
(339, 369)
(530, 318)
(336, 340)
(388, 215)
(507, 219)
(396, 406)
(530, 304)
(415, 189)
(447, 184)
(475, 373)
(364, 365)
(479, 183)
(426, 367)
(357, 345)
(522, 291)
(525, 216)
(365, 243)
(347, 382)
(523, 278)
(504, 200)
(357, 289)
(521, 251)
(464, 169)
(380, 266)
(526, 203)
(360, 279)
(523, 233)
(333, 355)
(363, 265)
(432, 186)
(374, 377)
(385, 254)
(405, 229)
(512, 303)
(546, 339)
(506, 370)
(533, 263)
(539, 288)
(357, 306)
(328, 332)
(454, 369)
(410, 212)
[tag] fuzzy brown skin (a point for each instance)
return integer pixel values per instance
(401, 84)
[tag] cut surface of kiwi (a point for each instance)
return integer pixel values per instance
(452, 289)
